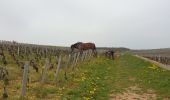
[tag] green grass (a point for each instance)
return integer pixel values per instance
(144, 74)
(106, 77)
(96, 79)
(92, 80)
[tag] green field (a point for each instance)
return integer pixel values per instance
(100, 78)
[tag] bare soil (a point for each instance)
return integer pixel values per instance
(133, 93)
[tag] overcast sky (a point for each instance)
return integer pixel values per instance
(136, 24)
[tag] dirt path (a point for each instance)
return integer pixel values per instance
(133, 93)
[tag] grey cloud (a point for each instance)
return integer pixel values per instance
(129, 23)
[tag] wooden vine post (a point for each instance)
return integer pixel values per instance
(45, 70)
(25, 79)
(74, 60)
(18, 50)
(77, 58)
(58, 68)
(66, 66)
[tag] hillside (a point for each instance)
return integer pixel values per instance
(161, 52)
(99, 78)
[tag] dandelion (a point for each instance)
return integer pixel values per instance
(154, 67)
(83, 78)
(86, 98)
(94, 89)
(91, 92)
(60, 94)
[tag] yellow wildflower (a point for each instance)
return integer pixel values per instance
(86, 98)
(153, 67)
(83, 78)
(94, 89)
(91, 92)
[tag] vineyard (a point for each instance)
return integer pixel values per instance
(161, 56)
(38, 72)
(24, 64)
(160, 59)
